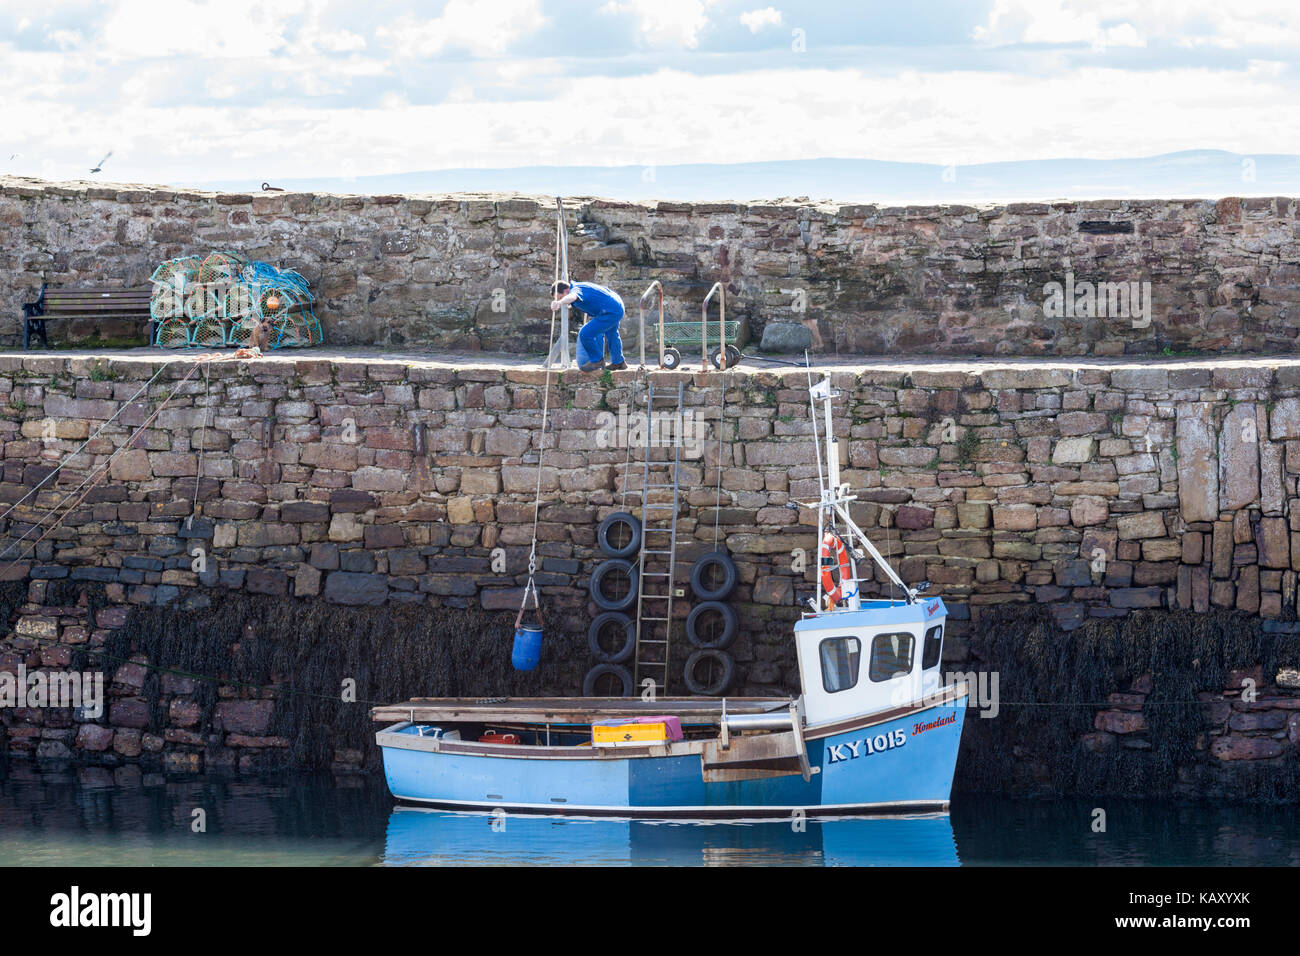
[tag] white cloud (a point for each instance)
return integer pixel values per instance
(485, 29)
(195, 28)
(757, 19)
(1055, 21)
(1185, 23)
(282, 94)
(665, 22)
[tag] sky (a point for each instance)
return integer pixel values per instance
(186, 92)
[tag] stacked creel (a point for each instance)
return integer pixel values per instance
(223, 299)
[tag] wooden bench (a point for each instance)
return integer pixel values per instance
(84, 302)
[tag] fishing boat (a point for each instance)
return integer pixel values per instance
(874, 730)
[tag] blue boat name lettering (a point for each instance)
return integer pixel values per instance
(836, 753)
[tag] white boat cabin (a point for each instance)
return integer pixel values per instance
(880, 655)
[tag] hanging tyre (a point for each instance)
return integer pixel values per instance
(672, 359)
(619, 535)
(709, 672)
(607, 680)
(711, 625)
(713, 576)
(613, 584)
(612, 637)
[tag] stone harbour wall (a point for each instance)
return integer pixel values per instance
(1092, 491)
(471, 271)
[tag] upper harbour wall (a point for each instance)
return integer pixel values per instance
(471, 271)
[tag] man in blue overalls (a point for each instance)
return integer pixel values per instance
(604, 311)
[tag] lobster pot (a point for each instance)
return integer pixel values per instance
(199, 302)
(209, 332)
(241, 331)
(166, 303)
(238, 302)
(274, 303)
(178, 274)
(173, 334)
(224, 268)
(311, 326)
(291, 332)
(527, 649)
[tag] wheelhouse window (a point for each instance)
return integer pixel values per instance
(840, 658)
(891, 656)
(933, 647)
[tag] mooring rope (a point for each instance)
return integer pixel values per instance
(203, 437)
(627, 457)
(59, 467)
(717, 503)
(100, 472)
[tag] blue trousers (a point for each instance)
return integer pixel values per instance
(592, 337)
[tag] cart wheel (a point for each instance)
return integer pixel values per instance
(672, 359)
(718, 357)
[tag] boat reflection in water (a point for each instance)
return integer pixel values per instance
(418, 837)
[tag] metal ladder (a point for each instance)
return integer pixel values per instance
(654, 605)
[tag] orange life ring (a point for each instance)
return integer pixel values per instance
(834, 557)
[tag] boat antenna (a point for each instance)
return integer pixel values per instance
(812, 407)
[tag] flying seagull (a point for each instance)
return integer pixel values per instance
(100, 165)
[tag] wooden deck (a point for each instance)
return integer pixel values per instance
(570, 710)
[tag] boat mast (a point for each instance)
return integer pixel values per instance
(835, 500)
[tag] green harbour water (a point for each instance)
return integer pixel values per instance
(96, 817)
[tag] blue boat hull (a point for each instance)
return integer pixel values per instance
(903, 765)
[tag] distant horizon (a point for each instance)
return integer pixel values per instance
(1185, 174)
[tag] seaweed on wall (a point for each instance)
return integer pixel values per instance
(1052, 684)
(301, 653)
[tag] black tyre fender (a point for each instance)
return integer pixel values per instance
(606, 529)
(600, 670)
(598, 626)
(720, 683)
(701, 567)
(694, 623)
(605, 568)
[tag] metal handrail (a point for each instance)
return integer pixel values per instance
(722, 328)
(653, 285)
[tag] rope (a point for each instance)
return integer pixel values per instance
(537, 496)
(102, 471)
(717, 503)
(203, 437)
(627, 457)
(61, 464)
